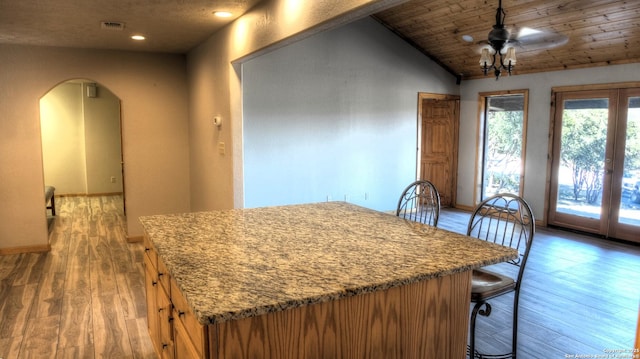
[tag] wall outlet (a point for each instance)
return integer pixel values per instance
(221, 148)
(113, 179)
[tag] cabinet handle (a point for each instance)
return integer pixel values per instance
(180, 313)
(153, 282)
(160, 274)
(147, 249)
(160, 310)
(164, 345)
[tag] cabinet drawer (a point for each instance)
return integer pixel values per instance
(183, 314)
(150, 252)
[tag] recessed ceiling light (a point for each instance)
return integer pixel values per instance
(222, 14)
(138, 37)
(467, 38)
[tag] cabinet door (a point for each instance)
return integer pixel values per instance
(195, 332)
(151, 287)
(184, 348)
(165, 318)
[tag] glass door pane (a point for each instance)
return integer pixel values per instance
(582, 155)
(503, 144)
(625, 222)
(630, 204)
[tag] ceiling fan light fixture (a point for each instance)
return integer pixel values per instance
(485, 58)
(498, 40)
(510, 57)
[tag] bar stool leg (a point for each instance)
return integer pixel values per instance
(477, 309)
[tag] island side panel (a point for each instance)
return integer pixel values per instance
(425, 319)
(436, 318)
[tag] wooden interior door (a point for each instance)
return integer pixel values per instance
(438, 129)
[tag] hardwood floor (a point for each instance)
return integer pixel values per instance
(85, 298)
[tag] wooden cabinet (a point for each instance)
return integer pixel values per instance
(173, 328)
(151, 284)
(189, 331)
(425, 319)
(159, 308)
(165, 324)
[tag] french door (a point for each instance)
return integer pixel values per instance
(595, 170)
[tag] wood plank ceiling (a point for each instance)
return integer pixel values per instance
(599, 32)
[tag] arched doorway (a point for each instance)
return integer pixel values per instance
(82, 140)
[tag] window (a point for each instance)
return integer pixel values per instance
(503, 123)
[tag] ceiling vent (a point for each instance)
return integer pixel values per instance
(112, 25)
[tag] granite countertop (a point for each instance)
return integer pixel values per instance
(240, 263)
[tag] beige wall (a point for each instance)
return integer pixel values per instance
(153, 91)
(63, 142)
(102, 140)
(215, 86)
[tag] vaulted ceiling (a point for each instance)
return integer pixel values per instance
(598, 32)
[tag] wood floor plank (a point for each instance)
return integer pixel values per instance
(109, 327)
(10, 347)
(15, 310)
(76, 323)
(78, 274)
(80, 352)
(41, 338)
(103, 281)
(141, 344)
(48, 300)
(132, 294)
(29, 269)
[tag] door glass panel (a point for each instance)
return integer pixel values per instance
(582, 156)
(630, 202)
(503, 138)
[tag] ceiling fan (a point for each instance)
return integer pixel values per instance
(500, 53)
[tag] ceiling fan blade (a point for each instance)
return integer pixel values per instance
(531, 39)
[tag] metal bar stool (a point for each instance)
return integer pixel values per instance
(507, 220)
(420, 202)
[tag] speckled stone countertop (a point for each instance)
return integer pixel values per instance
(239, 263)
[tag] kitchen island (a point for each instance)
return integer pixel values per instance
(326, 280)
